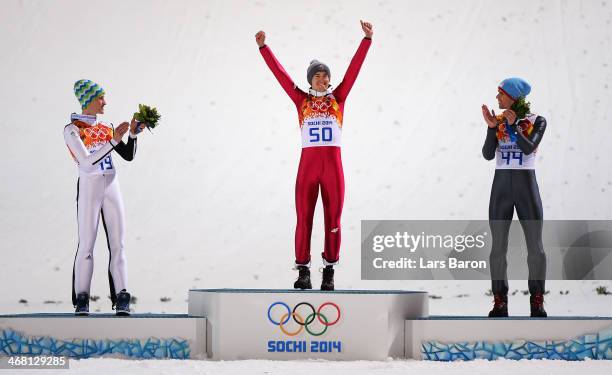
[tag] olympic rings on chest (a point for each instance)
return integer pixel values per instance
(320, 104)
(97, 133)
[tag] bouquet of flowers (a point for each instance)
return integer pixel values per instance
(521, 107)
(147, 116)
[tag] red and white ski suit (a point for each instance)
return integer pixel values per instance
(320, 118)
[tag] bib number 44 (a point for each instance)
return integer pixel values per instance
(320, 134)
(512, 155)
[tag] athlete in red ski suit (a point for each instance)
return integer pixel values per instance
(320, 118)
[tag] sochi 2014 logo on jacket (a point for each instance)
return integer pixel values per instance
(303, 326)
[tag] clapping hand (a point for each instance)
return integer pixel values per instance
(135, 126)
(120, 131)
(489, 117)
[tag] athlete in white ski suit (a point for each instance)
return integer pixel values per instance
(91, 143)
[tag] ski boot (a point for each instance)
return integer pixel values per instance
(500, 306)
(537, 306)
(303, 280)
(328, 278)
(82, 304)
(123, 303)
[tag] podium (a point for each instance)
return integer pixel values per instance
(232, 324)
(290, 324)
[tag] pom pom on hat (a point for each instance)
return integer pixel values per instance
(315, 67)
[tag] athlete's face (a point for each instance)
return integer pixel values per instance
(96, 106)
(320, 81)
(504, 101)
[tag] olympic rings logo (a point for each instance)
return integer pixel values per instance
(97, 133)
(320, 105)
(301, 322)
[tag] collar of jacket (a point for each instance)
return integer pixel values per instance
(88, 119)
(316, 93)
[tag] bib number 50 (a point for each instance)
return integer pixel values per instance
(320, 134)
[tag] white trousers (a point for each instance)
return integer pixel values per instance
(98, 196)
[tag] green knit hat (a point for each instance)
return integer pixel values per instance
(86, 91)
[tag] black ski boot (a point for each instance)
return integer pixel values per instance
(537, 306)
(123, 303)
(500, 306)
(303, 280)
(82, 304)
(328, 278)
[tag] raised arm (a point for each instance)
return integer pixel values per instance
(341, 92)
(128, 151)
(80, 152)
(529, 143)
(277, 69)
(490, 143)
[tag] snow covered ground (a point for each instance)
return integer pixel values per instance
(209, 199)
(478, 367)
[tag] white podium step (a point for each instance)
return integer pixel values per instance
(140, 336)
(450, 338)
(290, 324)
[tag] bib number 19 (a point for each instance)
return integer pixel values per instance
(106, 164)
(320, 134)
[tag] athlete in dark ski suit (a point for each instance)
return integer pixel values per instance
(514, 143)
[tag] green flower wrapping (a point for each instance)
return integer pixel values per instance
(521, 107)
(147, 115)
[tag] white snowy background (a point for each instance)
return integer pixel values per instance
(210, 197)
